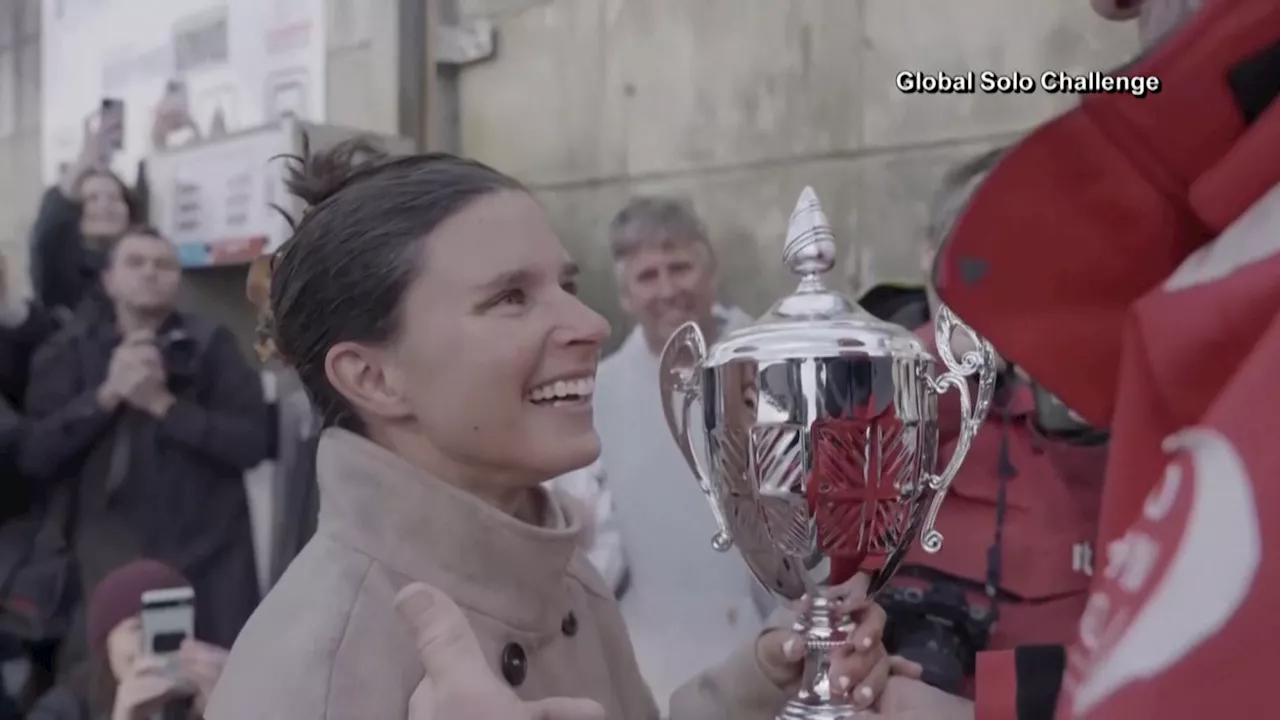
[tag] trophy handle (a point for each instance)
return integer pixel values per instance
(678, 375)
(973, 412)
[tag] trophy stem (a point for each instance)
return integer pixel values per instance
(820, 697)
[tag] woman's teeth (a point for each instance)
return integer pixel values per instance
(571, 390)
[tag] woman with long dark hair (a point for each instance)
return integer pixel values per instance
(431, 312)
(78, 218)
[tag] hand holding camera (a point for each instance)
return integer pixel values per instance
(136, 376)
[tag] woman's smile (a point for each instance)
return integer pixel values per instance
(568, 393)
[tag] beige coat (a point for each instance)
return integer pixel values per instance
(327, 644)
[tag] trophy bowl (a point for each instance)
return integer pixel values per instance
(813, 434)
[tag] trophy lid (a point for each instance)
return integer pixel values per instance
(814, 321)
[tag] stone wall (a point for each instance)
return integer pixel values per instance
(740, 103)
(20, 185)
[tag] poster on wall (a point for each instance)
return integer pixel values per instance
(209, 67)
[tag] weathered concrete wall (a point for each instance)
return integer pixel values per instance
(20, 190)
(20, 185)
(736, 103)
(740, 103)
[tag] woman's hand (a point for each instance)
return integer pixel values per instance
(458, 681)
(201, 665)
(145, 690)
(92, 153)
(860, 669)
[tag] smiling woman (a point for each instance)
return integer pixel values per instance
(422, 300)
(431, 314)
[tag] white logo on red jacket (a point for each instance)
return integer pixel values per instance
(1177, 577)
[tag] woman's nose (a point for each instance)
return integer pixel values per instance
(586, 326)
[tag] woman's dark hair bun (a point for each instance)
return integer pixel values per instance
(315, 177)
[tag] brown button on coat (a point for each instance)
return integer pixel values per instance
(327, 644)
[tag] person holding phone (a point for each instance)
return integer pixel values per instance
(91, 206)
(88, 209)
(124, 679)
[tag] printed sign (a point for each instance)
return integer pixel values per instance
(213, 66)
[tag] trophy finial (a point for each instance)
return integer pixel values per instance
(811, 246)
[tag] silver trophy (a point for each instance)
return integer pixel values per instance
(813, 434)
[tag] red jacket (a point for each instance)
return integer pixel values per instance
(1091, 224)
(1051, 510)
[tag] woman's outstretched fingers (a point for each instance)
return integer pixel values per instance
(865, 694)
(853, 664)
(850, 667)
(869, 630)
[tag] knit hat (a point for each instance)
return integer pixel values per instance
(119, 596)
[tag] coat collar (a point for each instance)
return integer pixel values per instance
(428, 530)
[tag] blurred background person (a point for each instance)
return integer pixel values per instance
(146, 425)
(27, 651)
(121, 681)
(602, 538)
(1020, 517)
(684, 602)
(294, 431)
(89, 208)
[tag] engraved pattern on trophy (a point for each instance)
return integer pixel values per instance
(759, 470)
(820, 428)
(862, 472)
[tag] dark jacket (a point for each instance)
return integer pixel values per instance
(64, 270)
(18, 342)
(63, 703)
(171, 489)
(60, 703)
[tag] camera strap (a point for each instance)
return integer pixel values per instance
(1005, 471)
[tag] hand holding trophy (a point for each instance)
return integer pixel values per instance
(814, 433)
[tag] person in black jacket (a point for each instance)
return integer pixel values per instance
(78, 218)
(24, 326)
(149, 422)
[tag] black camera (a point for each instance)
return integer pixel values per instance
(180, 352)
(933, 622)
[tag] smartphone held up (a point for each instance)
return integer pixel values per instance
(110, 129)
(168, 619)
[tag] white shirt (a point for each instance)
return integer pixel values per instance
(686, 606)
